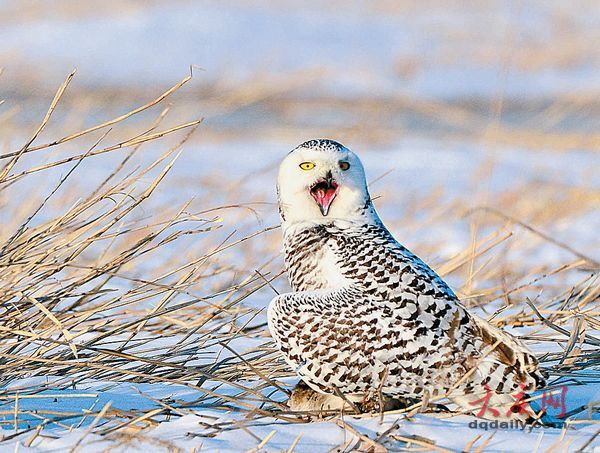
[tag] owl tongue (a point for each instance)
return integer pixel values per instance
(324, 192)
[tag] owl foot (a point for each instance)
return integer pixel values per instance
(305, 399)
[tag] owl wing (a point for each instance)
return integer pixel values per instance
(351, 341)
(400, 280)
(326, 339)
(345, 340)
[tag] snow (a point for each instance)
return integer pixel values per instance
(427, 53)
(431, 51)
(212, 430)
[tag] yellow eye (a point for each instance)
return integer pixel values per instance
(344, 165)
(307, 165)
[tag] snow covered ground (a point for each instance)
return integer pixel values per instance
(424, 188)
(216, 430)
(377, 48)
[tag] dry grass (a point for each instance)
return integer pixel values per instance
(80, 302)
(65, 308)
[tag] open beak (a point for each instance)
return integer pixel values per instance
(324, 191)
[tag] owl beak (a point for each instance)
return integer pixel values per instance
(324, 191)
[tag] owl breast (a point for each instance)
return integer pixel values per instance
(310, 261)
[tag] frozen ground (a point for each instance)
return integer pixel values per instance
(480, 50)
(217, 430)
(424, 188)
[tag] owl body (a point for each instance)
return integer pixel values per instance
(368, 318)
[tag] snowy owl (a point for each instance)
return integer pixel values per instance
(368, 320)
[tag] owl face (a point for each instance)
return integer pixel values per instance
(319, 181)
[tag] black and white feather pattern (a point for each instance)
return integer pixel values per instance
(368, 316)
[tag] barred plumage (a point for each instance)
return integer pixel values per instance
(367, 315)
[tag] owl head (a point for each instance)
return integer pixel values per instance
(321, 181)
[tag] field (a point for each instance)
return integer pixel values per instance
(140, 244)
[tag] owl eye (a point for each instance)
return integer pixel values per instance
(307, 165)
(344, 165)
